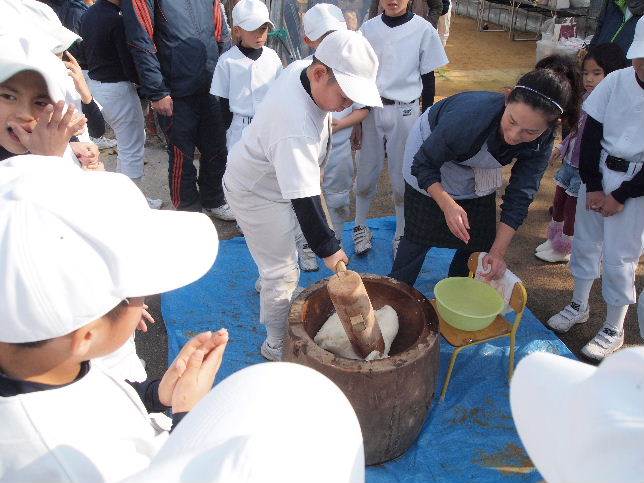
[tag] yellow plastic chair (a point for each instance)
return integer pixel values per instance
(500, 327)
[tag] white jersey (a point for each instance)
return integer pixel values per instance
(94, 429)
(244, 81)
(280, 154)
(618, 103)
(300, 64)
(405, 53)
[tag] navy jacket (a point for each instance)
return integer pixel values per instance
(608, 26)
(173, 45)
(460, 126)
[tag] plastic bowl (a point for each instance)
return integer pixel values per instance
(466, 303)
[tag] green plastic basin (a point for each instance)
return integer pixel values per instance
(466, 303)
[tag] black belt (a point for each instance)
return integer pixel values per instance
(387, 102)
(617, 164)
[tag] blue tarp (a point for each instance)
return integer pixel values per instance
(468, 437)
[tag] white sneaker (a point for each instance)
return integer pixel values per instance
(154, 203)
(362, 239)
(104, 143)
(546, 245)
(569, 316)
(271, 353)
(222, 212)
(308, 260)
(552, 256)
(394, 245)
(607, 341)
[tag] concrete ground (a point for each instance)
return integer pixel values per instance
(478, 61)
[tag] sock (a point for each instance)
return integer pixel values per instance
(400, 220)
(582, 292)
(562, 244)
(362, 208)
(555, 229)
(275, 333)
(615, 315)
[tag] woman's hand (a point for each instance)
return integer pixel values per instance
(595, 200)
(611, 206)
(494, 266)
(457, 221)
(75, 72)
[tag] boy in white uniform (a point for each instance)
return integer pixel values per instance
(65, 420)
(245, 72)
(272, 177)
(609, 226)
(337, 178)
(409, 50)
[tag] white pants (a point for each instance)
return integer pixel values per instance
(234, 132)
(384, 131)
(271, 422)
(618, 239)
(337, 180)
(269, 228)
(444, 24)
(122, 111)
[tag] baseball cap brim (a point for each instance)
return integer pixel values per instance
(358, 89)
(636, 50)
(253, 24)
(541, 387)
(54, 86)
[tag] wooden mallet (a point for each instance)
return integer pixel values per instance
(352, 303)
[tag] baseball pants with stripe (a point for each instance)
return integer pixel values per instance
(195, 123)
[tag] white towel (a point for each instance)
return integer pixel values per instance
(504, 285)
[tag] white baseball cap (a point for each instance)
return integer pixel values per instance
(269, 422)
(19, 53)
(251, 15)
(43, 21)
(354, 64)
(77, 243)
(581, 423)
(322, 18)
(636, 50)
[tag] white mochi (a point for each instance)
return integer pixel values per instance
(331, 336)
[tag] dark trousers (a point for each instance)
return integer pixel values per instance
(411, 256)
(195, 122)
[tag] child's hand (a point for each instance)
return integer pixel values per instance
(146, 318)
(332, 261)
(595, 200)
(198, 370)
(356, 137)
(88, 155)
(338, 125)
(75, 72)
(611, 206)
(53, 130)
(556, 154)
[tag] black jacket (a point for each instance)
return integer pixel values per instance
(173, 45)
(460, 126)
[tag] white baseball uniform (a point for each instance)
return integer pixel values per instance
(244, 82)
(337, 179)
(278, 159)
(405, 53)
(618, 103)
